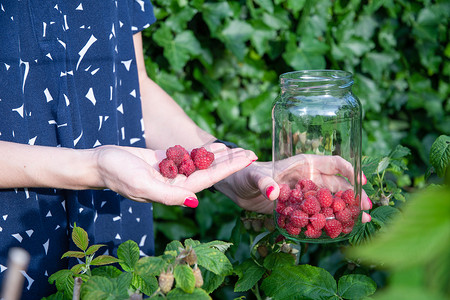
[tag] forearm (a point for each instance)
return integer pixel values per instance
(38, 166)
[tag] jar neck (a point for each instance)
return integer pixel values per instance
(316, 82)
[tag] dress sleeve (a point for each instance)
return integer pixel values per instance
(142, 15)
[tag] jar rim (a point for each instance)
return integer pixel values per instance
(316, 79)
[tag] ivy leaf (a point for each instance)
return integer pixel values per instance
(92, 249)
(234, 35)
(356, 286)
(80, 237)
(77, 254)
(128, 253)
(249, 274)
(104, 260)
(179, 294)
(300, 282)
(440, 155)
(214, 13)
(184, 277)
(212, 259)
(150, 266)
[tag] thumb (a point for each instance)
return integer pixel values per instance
(268, 187)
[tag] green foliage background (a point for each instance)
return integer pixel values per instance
(220, 60)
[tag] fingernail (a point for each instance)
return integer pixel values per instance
(364, 179)
(370, 203)
(191, 202)
(365, 218)
(269, 190)
(250, 163)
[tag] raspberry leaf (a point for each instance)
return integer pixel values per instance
(278, 259)
(128, 252)
(184, 278)
(80, 237)
(150, 265)
(179, 294)
(299, 282)
(212, 259)
(104, 260)
(356, 286)
(249, 274)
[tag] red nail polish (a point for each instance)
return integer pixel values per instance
(191, 202)
(269, 190)
(370, 201)
(364, 179)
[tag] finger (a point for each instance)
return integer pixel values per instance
(332, 165)
(172, 195)
(266, 184)
(365, 218)
(366, 203)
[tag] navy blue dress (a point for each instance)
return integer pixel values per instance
(68, 78)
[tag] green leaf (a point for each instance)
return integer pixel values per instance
(184, 278)
(94, 248)
(440, 155)
(106, 271)
(179, 294)
(214, 13)
(399, 152)
(212, 259)
(98, 287)
(234, 35)
(382, 215)
(150, 266)
(76, 269)
(147, 284)
(219, 245)
(80, 237)
(77, 254)
(211, 281)
(63, 280)
(249, 274)
(300, 282)
(383, 164)
(278, 259)
(57, 296)
(128, 253)
(356, 286)
(104, 260)
(174, 246)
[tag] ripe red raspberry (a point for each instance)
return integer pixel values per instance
(333, 228)
(309, 194)
(350, 223)
(344, 215)
(348, 196)
(354, 210)
(312, 233)
(318, 221)
(328, 213)
(292, 230)
(280, 207)
(347, 227)
(307, 185)
(288, 210)
(338, 194)
(299, 218)
(285, 192)
(202, 158)
(296, 196)
(187, 167)
(324, 196)
(177, 153)
(281, 221)
(168, 168)
(311, 206)
(338, 204)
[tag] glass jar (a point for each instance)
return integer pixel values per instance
(316, 155)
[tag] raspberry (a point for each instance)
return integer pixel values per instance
(198, 277)
(299, 218)
(165, 281)
(354, 210)
(288, 210)
(307, 185)
(348, 196)
(311, 232)
(338, 194)
(202, 158)
(292, 230)
(311, 206)
(333, 228)
(281, 221)
(187, 167)
(168, 168)
(177, 153)
(344, 215)
(338, 204)
(318, 221)
(309, 194)
(285, 192)
(296, 196)
(324, 196)
(328, 212)
(280, 207)
(347, 230)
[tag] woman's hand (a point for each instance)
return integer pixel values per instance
(253, 188)
(134, 173)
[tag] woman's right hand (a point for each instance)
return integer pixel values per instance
(134, 173)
